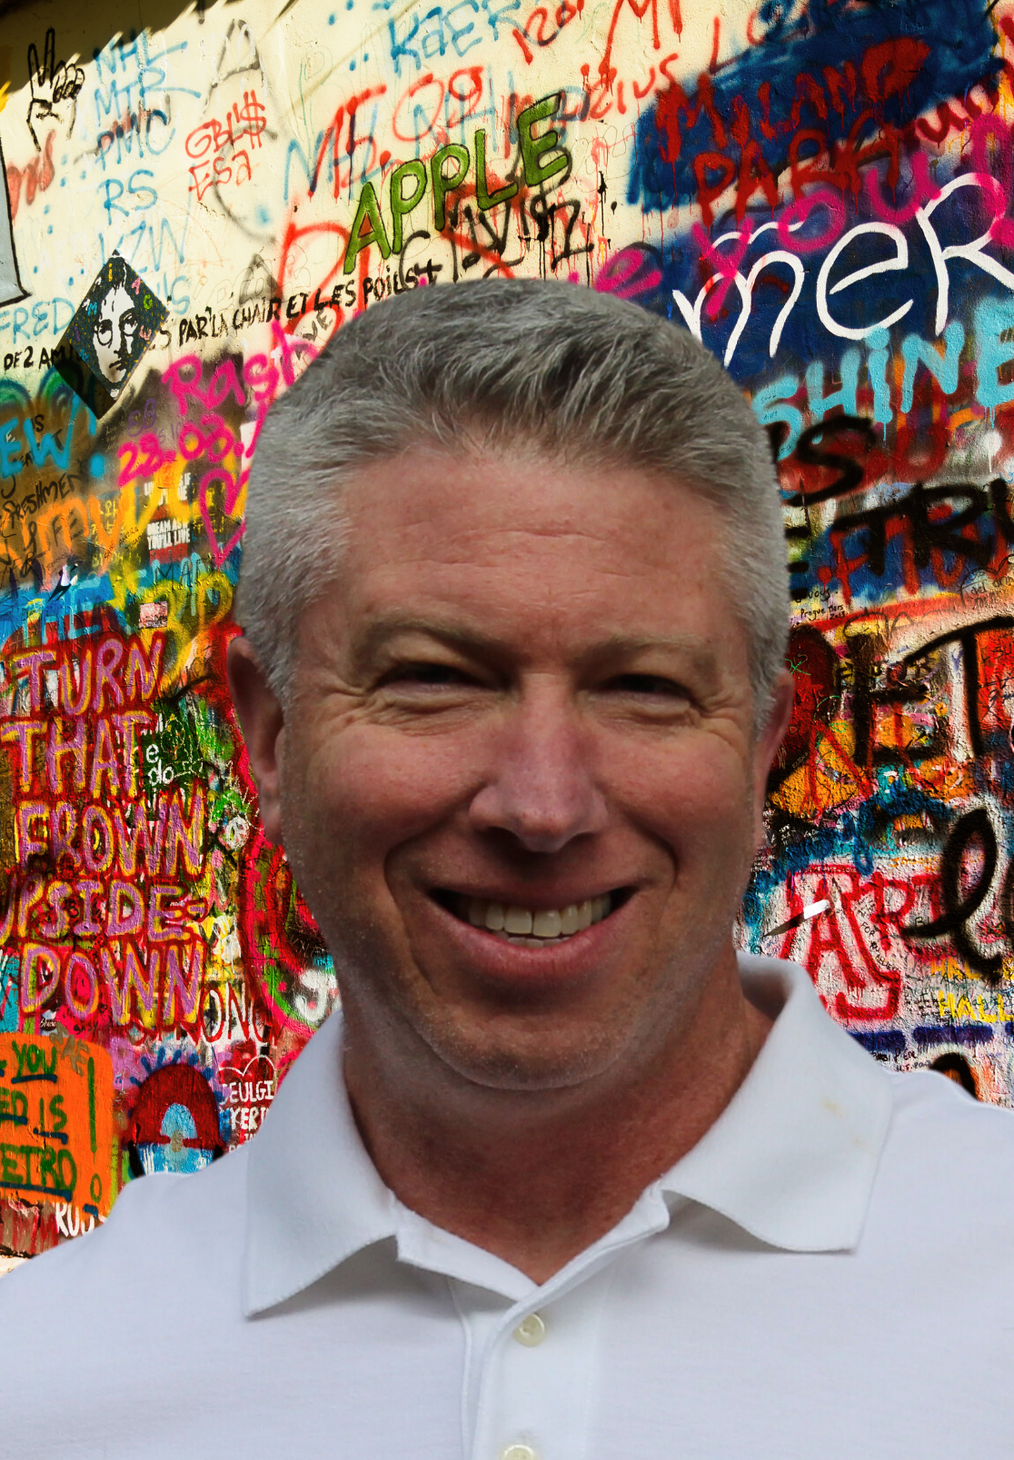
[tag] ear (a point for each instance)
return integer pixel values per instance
(263, 724)
(783, 696)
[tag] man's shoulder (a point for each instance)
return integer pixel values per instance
(945, 1149)
(161, 1228)
(928, 1105)
(121, 1315)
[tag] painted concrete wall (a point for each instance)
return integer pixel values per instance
(822, 192)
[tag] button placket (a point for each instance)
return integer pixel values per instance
(538, 1378)
(515, 1379)
(544, 1393)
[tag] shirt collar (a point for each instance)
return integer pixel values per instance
(791, 1159)
(793, 1156)
(314, 1197)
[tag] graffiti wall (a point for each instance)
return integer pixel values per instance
(820, 191)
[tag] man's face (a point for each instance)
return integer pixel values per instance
(518, 783)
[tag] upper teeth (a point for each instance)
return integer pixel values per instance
(522, 922)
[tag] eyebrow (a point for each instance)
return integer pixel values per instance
(700, 653)
(385, 627)
(381, 630)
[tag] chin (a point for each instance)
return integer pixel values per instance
(512, 1058)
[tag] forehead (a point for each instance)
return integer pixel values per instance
(511, 543)
(487, 499)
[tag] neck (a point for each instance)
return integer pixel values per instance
(537, 1177)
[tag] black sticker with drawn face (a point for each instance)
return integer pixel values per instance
(114, 325)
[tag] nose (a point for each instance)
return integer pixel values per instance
(541, 785)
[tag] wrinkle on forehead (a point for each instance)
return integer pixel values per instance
(427, 533)
(462, 476)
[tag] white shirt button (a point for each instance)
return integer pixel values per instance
(530, 1332)
(519, 1452)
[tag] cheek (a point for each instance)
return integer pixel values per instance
(690, 796)
(367, 790)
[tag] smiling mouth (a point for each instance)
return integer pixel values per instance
(532, 927)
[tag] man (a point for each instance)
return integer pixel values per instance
(564, 1181)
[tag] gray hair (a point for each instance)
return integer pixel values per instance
(572, 373)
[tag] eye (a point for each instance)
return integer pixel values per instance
(651, 697)
(427, 675)
(655, 686)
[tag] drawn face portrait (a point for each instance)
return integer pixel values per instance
(108, 334)
(115, 336)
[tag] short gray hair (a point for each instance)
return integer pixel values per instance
(577, 375)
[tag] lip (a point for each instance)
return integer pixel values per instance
(493, 959)
(528, 897)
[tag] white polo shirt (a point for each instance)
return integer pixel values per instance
(826, 1276)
